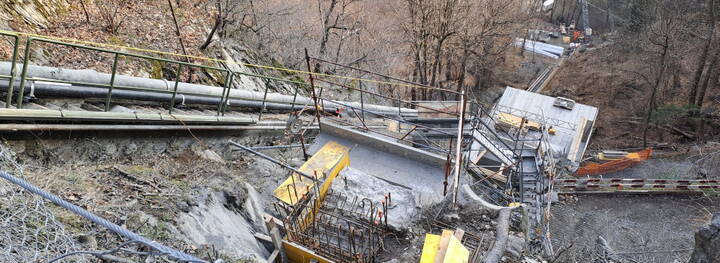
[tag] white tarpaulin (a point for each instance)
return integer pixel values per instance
(548, 50)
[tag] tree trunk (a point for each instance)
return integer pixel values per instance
(87, 16)
(326, 31)
(177, 32)
(610, 20)
(461, 78)
(651, 103)
(709, 76)
(218, 21)
(703, 58)
(572, 14)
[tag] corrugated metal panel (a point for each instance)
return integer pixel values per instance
(535, 106)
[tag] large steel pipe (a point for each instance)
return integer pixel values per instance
(236, 95)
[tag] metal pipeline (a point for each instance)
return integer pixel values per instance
(44, 89)
(240, 96)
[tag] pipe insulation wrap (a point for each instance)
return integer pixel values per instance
(92, 76)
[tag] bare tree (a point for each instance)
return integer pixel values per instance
(113, 13)
(227, 12)
(461, 37)
(336, 20)
(693, 98)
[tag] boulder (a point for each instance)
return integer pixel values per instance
(707, 243)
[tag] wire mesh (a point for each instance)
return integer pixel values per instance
(29, 230)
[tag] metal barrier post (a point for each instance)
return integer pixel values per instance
(112, 82)
(292, 106)
(262, 108)
(227, 95)
(312, 86)
(23, 76)
(226, 89)
(177, 81)
(13, 67)
(362, 101)
(458, 148)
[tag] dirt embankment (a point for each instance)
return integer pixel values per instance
(644, 228)
(179, 189)
(611, 79)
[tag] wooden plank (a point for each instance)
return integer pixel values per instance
(456, 252)
(275, 221)
(299, 254)
(479, 157)
(430, 247)
(442, 247)
(459, 233)
(497, 176)
(328, 161)
(263, 237)
(574, 147)
(274, 255)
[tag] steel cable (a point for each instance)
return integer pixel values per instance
(100, 221)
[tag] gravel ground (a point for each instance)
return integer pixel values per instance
(645, 228)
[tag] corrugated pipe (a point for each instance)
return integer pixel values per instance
(238, 97)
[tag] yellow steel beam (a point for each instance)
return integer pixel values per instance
(325, 164)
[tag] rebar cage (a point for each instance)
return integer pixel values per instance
(340, 228)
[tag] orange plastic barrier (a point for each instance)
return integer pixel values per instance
(614, 166)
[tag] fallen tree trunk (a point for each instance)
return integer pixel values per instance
(502, 230)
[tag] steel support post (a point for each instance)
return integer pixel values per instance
(175, 88)
(458, 147)
(312, 86)
(11, 84)
(112, 82)
(23, 76)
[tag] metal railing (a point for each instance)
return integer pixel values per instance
(451, 146)
(227, 74)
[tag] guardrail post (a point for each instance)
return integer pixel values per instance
(23, 76)
(262, 108)
(362, 101)
(177, 81)
(227, 95)
(112, 82)
(399, 111)
(226, 87)
(297, 89)
(13, 67)
(312, 87)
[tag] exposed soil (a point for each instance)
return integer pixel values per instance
(603, 77)
(643, 228)
(150, 185)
